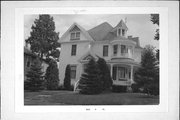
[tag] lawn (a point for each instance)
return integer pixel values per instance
(71, 98)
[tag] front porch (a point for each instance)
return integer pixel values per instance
(122, 73)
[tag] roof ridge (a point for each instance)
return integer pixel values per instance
(100, 25)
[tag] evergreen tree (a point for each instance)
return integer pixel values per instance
(43, 38)
(34, 77)
(105, 75)
(147, 76)
(67, 79)
(90, 82)
(52, 76)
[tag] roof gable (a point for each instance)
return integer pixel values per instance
(75, 26)
(121, 24)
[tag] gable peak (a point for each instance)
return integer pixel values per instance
(122, 25)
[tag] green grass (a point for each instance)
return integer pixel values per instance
(71, 98)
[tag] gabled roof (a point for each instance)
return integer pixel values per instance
(121, 24)
(82, 30)
(100, 31)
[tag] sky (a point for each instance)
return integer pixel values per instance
(139, 25)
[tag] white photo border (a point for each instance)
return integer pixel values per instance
(19, 68)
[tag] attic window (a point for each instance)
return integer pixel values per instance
(75, 36)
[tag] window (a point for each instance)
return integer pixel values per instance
(129, 74)
(121, 72)
(114, 72)
(73, 50)
(124, 50)
(115, 49)
(105, 50)
(123, 32)
(75, 36)
(119, 31)
(73, 71)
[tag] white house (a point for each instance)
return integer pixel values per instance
(121, 52)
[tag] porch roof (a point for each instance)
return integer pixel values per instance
(125, 61)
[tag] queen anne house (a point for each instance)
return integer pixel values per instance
(121, 52)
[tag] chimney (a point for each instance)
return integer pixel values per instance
(130, 37)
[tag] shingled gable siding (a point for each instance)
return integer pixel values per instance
(75, 33)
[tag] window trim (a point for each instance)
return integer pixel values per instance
(115, 54)
(73, 53)
(75, 38)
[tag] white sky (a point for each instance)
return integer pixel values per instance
(139, 25)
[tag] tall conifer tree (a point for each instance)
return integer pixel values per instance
(147, 76)
(52, 76)
(90, 82)
(43, 38)
(105, 75)
(67, 79)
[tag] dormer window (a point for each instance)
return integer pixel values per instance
(75, 36)
(123, 32)
(119, 32)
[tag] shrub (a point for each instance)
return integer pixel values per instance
(52, 76)
(34, 80)
(118, 88)
(105, 75)
(135, 88)
(67, 79)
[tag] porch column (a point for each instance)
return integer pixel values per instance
(131, 73)
(111, 69)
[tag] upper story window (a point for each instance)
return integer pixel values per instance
(75, 35)
(115, 49)
(124, 49)
(121, 32)
(105, 50)
(73, 50)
